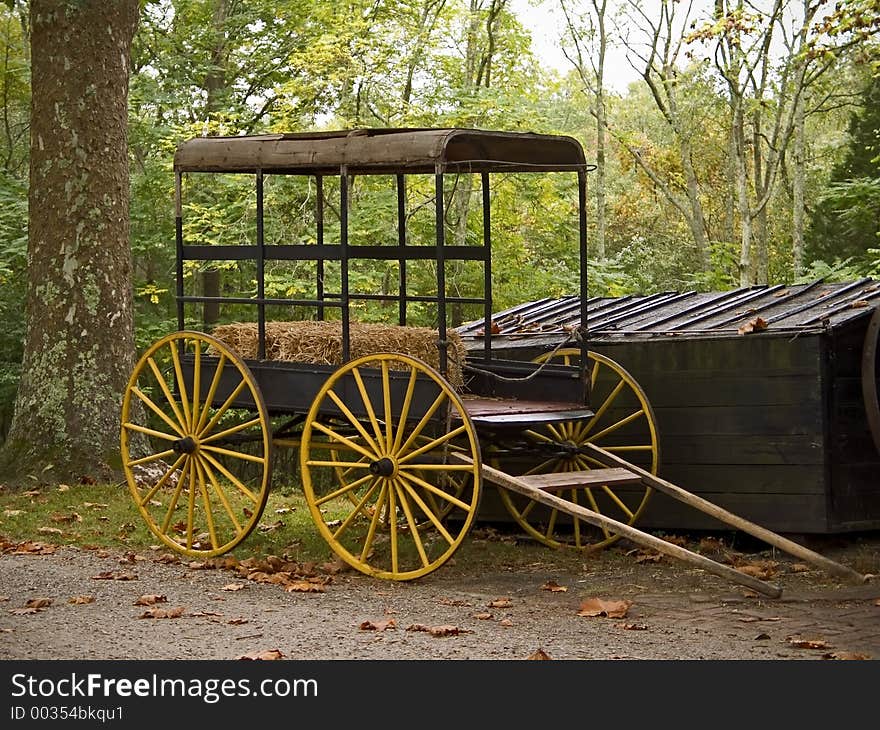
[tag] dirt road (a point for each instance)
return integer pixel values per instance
(89, 604)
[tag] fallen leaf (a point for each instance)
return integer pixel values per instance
(4, 598)
(63, 487)
(38, 603)
(238, 621)
(540, 655)
(32, 493)
(59, 518)
(50, 530)
(24, 611)
(389, 623)
(80, 600)
(12, 512)
(763, 569)
(505, 622)
(631, 627)
(150, 599)
(484, 616)
(277, 525)
(553, 587)
(112, 575)
(600, 607)
(96, 505)
(175, 612)
(443, 630)
(860, 304)
(455, 602)
(801, 643)
(500, 603)
(649, 557)
(762, 637)
(845, 655)
(264, 655)
(283, 510)
(233, 587)
(33, 548)
(752, 619)
(753, 325)
(799, 568)
(204, 613)
(305, 586)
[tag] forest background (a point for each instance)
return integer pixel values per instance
(745, 151)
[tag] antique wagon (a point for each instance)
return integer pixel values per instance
(396, 427)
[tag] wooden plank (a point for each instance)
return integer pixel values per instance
(572, 479)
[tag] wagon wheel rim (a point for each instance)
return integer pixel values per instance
(197, 467)
(555, 528)
(417, 454)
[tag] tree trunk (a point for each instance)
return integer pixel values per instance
(79, 346)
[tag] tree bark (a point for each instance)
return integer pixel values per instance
(79, 346)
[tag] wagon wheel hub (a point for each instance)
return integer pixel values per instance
(570, 448)
(383, 467)
(186, 445)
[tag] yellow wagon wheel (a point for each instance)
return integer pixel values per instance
(411, 485)
(624, 424)
(196, 447)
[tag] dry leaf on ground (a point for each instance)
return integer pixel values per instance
(845, 655)
(601, 607)
(38, 603)
(81, 600)
(540, 655)
(388, 623)
(802, 643)
(305, 586)
(113, 575)
(483, 616)
(553, 587)
(175, 612)
(500, 603)
(233, 587)
(151, 599)
(264, 655)
(443, 630)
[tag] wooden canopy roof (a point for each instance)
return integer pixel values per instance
(382, 151)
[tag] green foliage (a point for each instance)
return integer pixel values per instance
(13, 275)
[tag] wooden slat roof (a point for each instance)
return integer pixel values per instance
(375, 151)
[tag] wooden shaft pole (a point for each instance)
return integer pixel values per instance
(551, 500)
(771, 538)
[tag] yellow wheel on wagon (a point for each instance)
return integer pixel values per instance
(624, 424)
(196, 447)
(411, 486)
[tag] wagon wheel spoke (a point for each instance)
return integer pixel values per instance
(196, 445)
(623, 422)
(400, 506)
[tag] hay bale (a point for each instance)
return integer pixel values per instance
(320, 343)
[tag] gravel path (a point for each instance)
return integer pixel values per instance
(667, 610)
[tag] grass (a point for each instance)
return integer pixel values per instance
(105, 516)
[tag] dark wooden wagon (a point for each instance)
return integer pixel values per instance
(396, 426)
